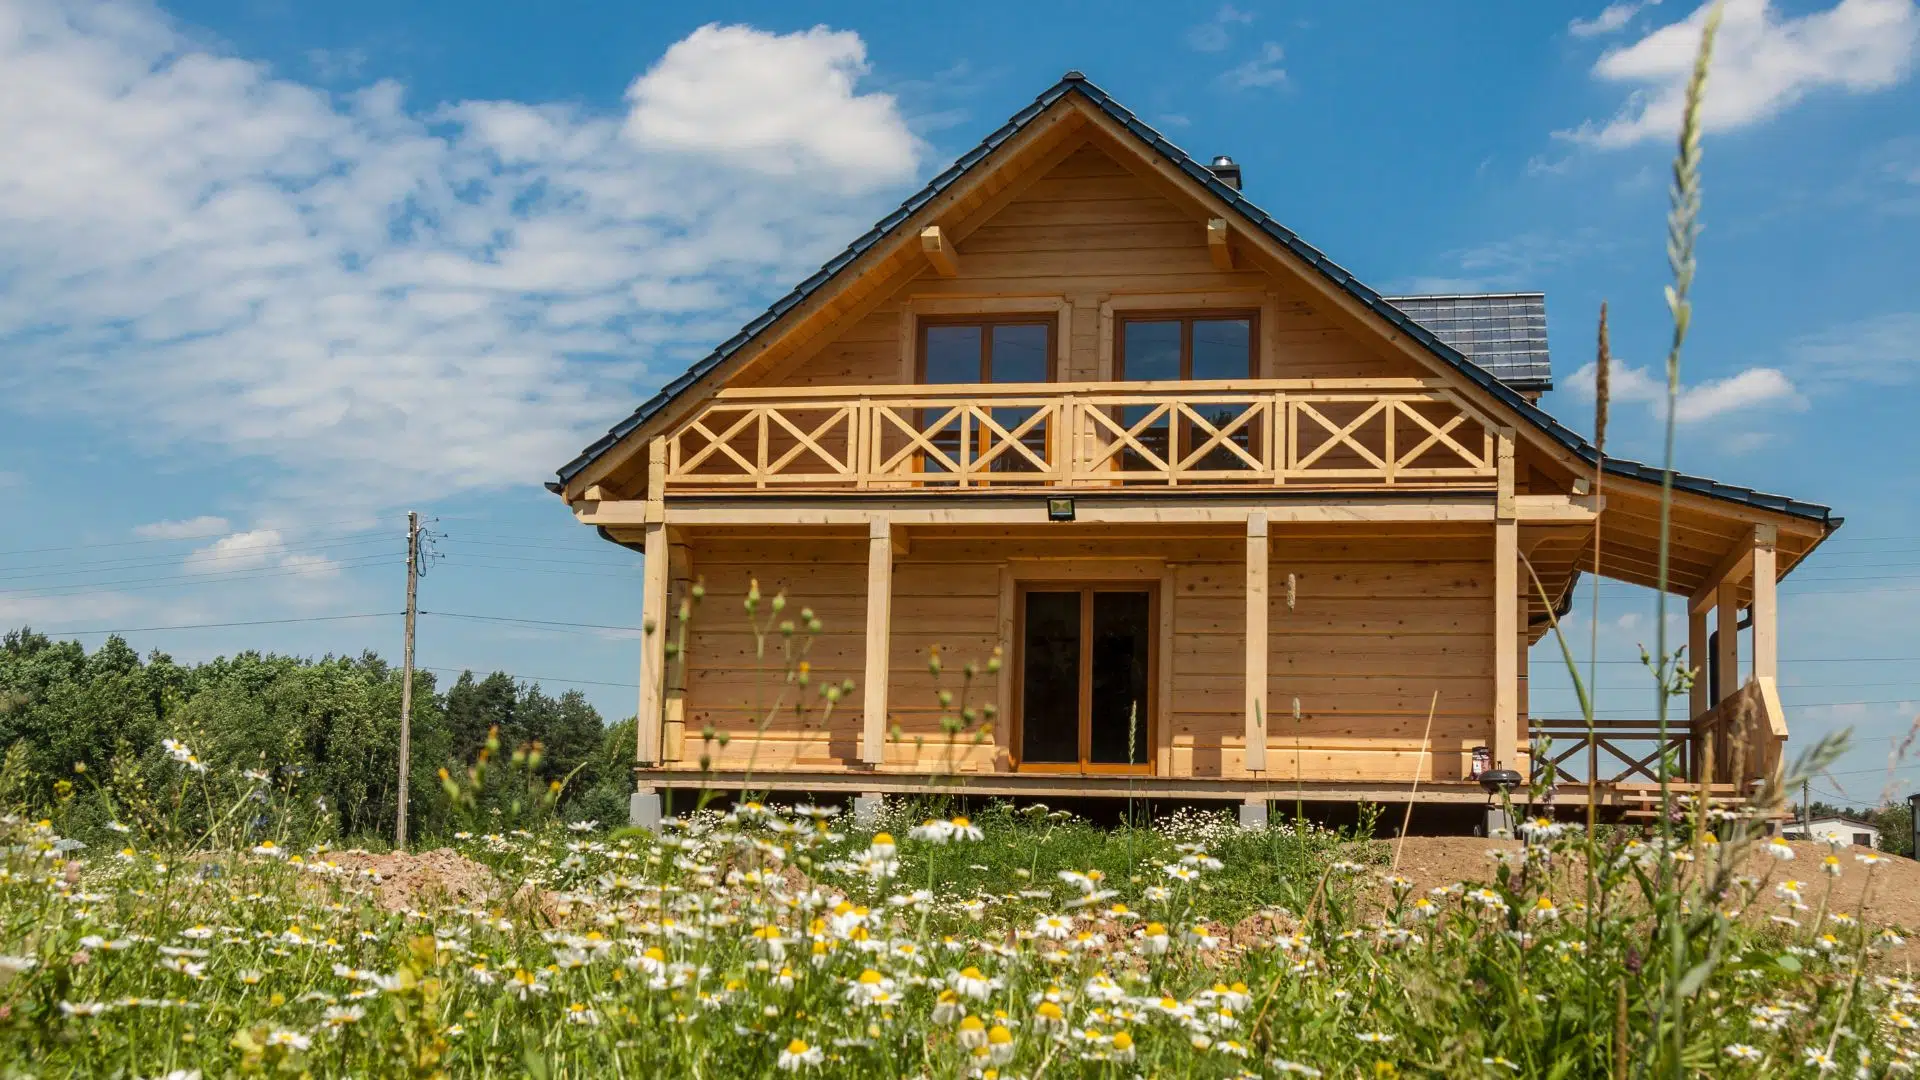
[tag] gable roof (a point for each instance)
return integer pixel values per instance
(1251, 216)
(1506, 333)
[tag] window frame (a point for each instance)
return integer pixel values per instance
(986, 323)
(1186, 317)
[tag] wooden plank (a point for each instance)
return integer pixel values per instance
(1255, 672)
(873, 730)
(939, 251)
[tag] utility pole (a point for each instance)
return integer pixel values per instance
(406, 675)
(1806, 808)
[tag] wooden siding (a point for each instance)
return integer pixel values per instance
(1377, 625)
(1090, 232)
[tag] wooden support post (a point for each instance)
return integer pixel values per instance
(873, 730)
(679, 591)
(653, 609)
(1726, 654)
(938, 248)
(653, 641)
(1217, 246)
(1506, 613)
(1506, 644)
(1766, 604)
(1256, 669)
(1698, 702)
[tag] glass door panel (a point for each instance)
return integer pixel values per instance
(1050, 679)
(1117, 726)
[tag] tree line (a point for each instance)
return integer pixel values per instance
(86, 734)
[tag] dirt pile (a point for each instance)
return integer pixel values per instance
(410, 881)
(1433, 861)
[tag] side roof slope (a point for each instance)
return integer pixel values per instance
(1076, 83)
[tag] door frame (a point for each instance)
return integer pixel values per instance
(1087, 586)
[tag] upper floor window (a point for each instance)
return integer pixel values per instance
(1013, 349)
(1214, 345)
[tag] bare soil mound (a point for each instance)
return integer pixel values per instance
(409, 881)
(1434, 861)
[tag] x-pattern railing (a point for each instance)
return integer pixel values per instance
(1322, 433)
(1620, 752)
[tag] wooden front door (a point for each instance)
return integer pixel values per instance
(1084, 690)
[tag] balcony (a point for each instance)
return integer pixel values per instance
(1334, 435)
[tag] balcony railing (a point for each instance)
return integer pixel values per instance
(1321, 433)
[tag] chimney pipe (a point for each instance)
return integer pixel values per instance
(1224, 168)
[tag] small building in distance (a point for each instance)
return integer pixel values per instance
(1846, 829)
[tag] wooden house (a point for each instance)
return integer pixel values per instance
(1241, 526)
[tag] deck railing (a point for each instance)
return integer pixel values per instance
(1322, 433)
(1735, 743)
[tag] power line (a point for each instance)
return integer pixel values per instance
(163, 539)
(177, 580)
(216, 625)
(541, 678)
(530, 622)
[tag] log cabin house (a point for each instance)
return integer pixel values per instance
(1242, 526)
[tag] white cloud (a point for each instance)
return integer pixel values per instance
(392, 302)
(1262, 70)
(1749, 389)
(1753, 388)
(1216, 33)
(1762, 64)
(779, 104)
(188, 529)
(1611, 18)
(249, 550)
(1879, 351)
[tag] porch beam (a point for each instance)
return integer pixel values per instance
(873, 728)
(1256, 668)
(1218, 248)
(1733, 567)
(1145, 509)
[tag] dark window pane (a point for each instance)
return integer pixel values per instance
(1151, 350)
(1222, 348)
(953, 354)
(1050, 679)
(1120, 633)
(1019, 354)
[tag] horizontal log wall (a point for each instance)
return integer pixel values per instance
(1377, 625)
(1087, 232)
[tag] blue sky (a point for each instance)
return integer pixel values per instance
(275, 273)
